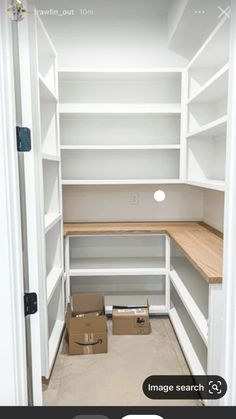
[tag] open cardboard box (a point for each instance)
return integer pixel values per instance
(86, 324)
(131, 320)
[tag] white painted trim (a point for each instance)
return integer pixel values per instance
(184, 124)
(229, 268)
(35, 270)
(13, 349)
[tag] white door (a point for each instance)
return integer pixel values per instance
(22, 215)
(13, 360)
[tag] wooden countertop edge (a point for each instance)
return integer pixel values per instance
(152, 230)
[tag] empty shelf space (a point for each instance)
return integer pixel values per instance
(46, 92)
(49, 128)
(186, 345)
(55, 312)
(123, 108)
(214, 89)
(198, 318)
(46, 62)
(117, 130)
(53, 248)
(117, 266)
(124, 89)
(214, 53)
(215, 128)
(54, 341)
(106, 165)
(51, 219)
(52, 281)
(192, 344)
(206, 162)
(51, 187)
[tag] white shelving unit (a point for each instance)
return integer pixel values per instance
(111, 119)
(194, 311)
(206, 130)
(127, 269)
(52, 286)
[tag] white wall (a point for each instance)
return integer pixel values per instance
(213, 209)
(124, 33)
(112, 203)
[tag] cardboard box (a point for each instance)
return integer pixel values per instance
(130, 320)
(86, 324)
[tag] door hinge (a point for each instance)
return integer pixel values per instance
(23, 138)
(30, 303)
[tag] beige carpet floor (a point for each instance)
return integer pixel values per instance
(116, 378)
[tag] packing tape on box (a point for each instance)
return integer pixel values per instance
(88, 338)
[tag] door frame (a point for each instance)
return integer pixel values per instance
(13, 363)
(229, 268)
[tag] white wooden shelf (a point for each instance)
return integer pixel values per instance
(192, 308)
(54, 339)
(214, 50)
(215, 128)
(80, 74)
(117, 266)
(121, 108)
(186, 345)
(50, 157)
(215, 89)
(217, 185)
(122, 182)
(122, 147)
(52, 281)
(45, 44)
(46, 93)
(51, 219)
(119, 262)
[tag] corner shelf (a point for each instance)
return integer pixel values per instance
(47, 94)
(55, 337)
(192, 308)
(51, 219)
(186, 345)
(213, 129)
(213, 90)
(50, 157)
(216, 185)
(52, 281)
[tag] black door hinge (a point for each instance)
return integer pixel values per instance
(30, 303)
(23, 138)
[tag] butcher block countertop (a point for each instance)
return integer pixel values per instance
(202, 246)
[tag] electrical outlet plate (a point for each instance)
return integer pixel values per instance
(134, 198)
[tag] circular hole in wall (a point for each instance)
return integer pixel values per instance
(159, 196)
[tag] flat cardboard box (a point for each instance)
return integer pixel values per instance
(86, 324)
(131, 320)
